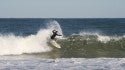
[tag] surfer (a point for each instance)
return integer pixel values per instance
(55, 33)
(53, 40)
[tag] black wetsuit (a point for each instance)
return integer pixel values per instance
(54, 35)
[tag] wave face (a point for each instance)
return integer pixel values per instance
(87, 44)
(12, 44)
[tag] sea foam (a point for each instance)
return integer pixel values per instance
(11, 44)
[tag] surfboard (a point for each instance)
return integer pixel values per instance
(55, 44)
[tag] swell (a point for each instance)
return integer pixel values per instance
(93, 45)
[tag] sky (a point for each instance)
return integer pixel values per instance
(62, 8)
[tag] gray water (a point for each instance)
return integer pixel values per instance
(64, 64)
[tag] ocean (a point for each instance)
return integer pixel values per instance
(86, 44)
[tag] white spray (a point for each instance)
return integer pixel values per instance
(11, 44)
(54, 25)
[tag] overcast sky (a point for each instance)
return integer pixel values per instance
(62, 8)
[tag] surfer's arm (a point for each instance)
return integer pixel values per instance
(59, 35)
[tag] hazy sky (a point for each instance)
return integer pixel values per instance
(62, 8)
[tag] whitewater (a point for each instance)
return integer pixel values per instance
(64, 64)
(15, 45)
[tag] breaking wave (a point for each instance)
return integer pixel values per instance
(11, 44)
(87, 44)
(100, 37)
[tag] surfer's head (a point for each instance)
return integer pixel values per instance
(54, 31)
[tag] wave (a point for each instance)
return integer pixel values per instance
(99, 36)
(83, 44)
(87, 44)
(11, 44)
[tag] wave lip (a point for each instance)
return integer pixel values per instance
(100, 37)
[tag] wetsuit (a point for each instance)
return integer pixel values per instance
(54, 35)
